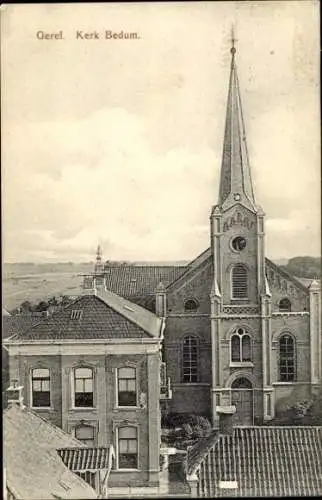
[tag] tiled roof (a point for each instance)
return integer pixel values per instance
(82, 459)
(17, 324)
(34, 470)
(132, 281)
(106, 316)
(139, 282)
(265, 461)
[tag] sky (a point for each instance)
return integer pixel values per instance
(119, 141)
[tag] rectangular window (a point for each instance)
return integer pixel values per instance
(83, 388)
(127, 448)
(85, 434)
(126, 387)
(40, 383)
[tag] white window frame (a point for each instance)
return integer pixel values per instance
(121, 426)
(31, 388)
(134, 367)
(73, 392)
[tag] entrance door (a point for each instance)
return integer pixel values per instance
(242, 398)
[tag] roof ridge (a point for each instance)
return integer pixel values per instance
(129, 304)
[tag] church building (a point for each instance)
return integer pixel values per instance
(239, 330)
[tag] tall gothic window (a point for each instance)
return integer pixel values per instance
(284, 305)
(239, 282)
(241, 346)
(190, 355)
(287, 368)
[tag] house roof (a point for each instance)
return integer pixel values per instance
(82, 459)
(265, 461)
(17, 324)
(102, 316)
(34, 469)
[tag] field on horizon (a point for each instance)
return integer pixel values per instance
(35, 282)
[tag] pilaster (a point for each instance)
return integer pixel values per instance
(315, 332)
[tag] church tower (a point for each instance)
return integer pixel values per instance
(240, 298)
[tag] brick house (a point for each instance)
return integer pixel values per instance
(239, 330)
(93, 369)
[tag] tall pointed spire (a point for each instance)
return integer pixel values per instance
(235, 178)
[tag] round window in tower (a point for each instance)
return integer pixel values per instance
(239, 243)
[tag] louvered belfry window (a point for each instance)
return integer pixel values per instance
(239, 283)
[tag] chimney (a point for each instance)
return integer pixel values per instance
(100, 284)
(89, 285)
(14, 394)
(160, 300)
(226, 419)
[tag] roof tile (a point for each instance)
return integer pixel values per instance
(265, 461)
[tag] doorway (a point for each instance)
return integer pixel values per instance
(242, 398)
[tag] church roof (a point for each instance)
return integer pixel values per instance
(264, 461)
(136, 281)
(101, 316)
(34, 469)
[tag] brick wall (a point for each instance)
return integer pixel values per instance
(105, 417)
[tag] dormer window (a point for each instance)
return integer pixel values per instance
(76, 314)
(191, 305)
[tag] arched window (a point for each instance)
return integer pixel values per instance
(127, 447)
(190, 355)
(284, 305)
(241, 383)
(191, 305)
(239, 282)
(83, 388)
(241, 346)
(287, 367)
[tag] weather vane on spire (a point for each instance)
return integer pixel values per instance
(233, 40)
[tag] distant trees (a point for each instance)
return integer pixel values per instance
(304, 267)
(27, 307)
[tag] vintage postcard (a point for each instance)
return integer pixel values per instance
(161, 249)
